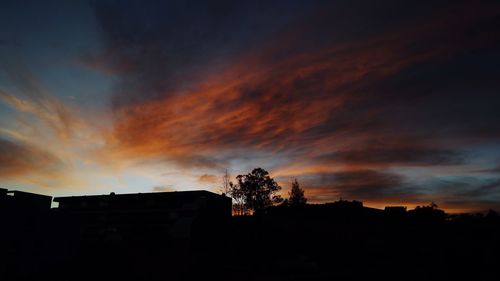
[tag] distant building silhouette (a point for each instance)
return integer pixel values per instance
(191, 236)
(395, 210)
(14, 200)
(23, 216)
(174, 213)
(346, 204)
(123, 236)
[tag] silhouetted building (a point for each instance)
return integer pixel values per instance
(345, 208)
(23, 217)
(427, 214)
(14, 200)
(346, 204)
(174, 213)
(191, 236)
(130, 234)
(395, 210)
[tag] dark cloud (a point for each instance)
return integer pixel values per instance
(359, 83)
(163, 188)
(466, 193)
(18, 159)
(460, 194)
(370, 185)
(206, 178)
(394, 155)
(489, 188)
(160, 47)
(455, 98)
(197, 161)
(492, 170)
(470, 188)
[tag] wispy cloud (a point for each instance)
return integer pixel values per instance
(206, 178)
(18, 159)
(353, 102)
(318, 93)
(260, 101)
(49, 144)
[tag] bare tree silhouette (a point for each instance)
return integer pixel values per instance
(236, 193)
(225, 185)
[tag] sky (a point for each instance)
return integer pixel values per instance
(386, 102)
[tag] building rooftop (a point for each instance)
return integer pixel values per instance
(137, 200)
(173, 194)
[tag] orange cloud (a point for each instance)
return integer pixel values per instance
(317, 107)
(47, 144)
(18, 159)
(259, 102)
(309, 108)
(211, 179)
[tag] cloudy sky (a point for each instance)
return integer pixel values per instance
(388, 102)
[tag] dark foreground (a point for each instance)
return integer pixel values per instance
(316, 242)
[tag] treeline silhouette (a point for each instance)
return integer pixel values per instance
(192, 236)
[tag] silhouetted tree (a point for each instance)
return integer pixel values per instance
(238, 197)
(225, 187)
(296, 194)
(428, 213)
(492, 215)
(284, 203)
(258, 189)
(234, 191)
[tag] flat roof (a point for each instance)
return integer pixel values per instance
(171, 194)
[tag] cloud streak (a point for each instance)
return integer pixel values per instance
(354, 98)
(19, 159)
(266, 102)
(319, 92)
(48, 145)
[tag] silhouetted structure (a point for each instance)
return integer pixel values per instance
(134, 233)
(395, 209)
(427, 214)
(171, 212)
(20, 201)
(23, 217)
(192, 236)
(345, 204)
